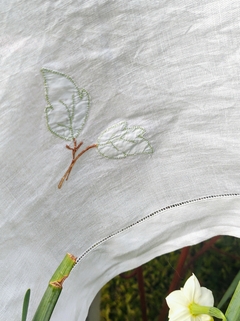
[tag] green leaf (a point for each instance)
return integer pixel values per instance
(120, 141)
(230, 290)
(233, 310)
(25, 305)
(67, 105)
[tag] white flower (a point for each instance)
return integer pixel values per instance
(180, 302)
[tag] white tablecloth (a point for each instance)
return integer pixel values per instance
(153, 88)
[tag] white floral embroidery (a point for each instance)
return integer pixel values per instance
(120, 141)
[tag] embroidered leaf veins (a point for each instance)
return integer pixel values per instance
(120, 141)
(66, 113)
(67, 105)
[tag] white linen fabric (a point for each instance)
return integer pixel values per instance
(162, 122)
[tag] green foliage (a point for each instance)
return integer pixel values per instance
(25, 305)
(233, 310)
(215, 269)
(228, 294)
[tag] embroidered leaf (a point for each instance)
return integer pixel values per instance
(67, 105)
(120, 141)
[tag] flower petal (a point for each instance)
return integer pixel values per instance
(176, 299)
(192, 289)
(180, 315)
(206, 297)
(203, 317)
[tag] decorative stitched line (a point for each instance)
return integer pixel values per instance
(66, 114)
(149, 216)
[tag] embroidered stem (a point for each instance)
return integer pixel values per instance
(74, 158)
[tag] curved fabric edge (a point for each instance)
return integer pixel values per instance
(161, 232)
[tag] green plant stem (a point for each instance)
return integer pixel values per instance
(197, 309)
(53, 291)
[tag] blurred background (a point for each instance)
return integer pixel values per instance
(140, 294)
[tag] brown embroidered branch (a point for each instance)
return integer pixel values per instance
(74, 158)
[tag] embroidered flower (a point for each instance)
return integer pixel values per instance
(183, 302)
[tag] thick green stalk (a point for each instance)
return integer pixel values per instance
(53, 291)
(233, 310)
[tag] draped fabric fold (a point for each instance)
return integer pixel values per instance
(119, 139)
